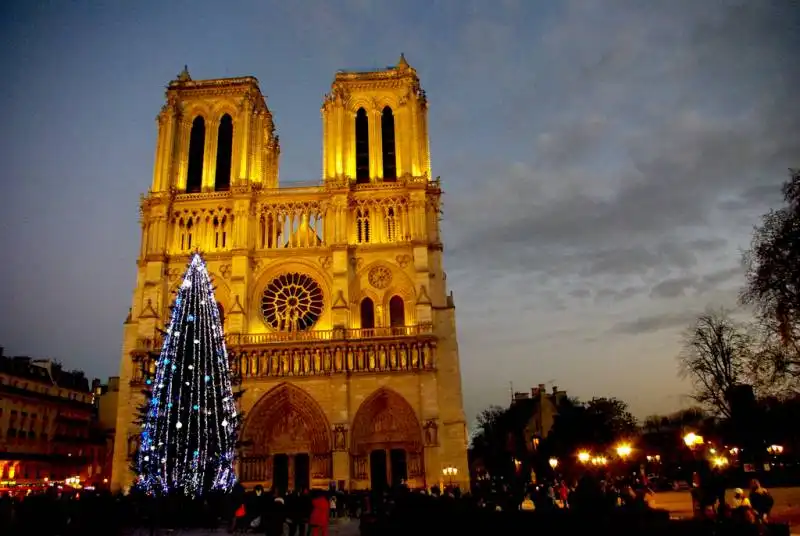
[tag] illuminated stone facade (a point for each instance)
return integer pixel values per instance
(333, 295)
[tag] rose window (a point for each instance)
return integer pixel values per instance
(292, 302)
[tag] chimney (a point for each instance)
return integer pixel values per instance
(534, 392)
(555, 389)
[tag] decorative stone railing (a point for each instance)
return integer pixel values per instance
(312, 353)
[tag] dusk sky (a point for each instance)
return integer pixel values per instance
(603, 163)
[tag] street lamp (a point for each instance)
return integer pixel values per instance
(624, 450)
(720, 461)
(584, 456)
(775, 449)
(692, 440)
(553, 463)
(450, 471)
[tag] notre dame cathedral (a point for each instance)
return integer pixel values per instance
(335, 304)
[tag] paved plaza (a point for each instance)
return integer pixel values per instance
(339, 527)
(786, 509)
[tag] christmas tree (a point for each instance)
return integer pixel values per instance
(189, 420)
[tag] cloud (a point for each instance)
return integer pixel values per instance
(652, 323)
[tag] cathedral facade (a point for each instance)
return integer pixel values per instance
(334, 301)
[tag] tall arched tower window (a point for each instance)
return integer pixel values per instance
(362, 146)
(387, 135)
(397, 312)
(197, 143)
(367, 314)
(222, 179)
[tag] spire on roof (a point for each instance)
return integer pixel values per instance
(184, 75)
(402, 64)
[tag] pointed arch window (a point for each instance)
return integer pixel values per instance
(362, 226)
(391, 225)
(222, 180)
(397, 312)
(367, 314)
(221, 315)
(362, 146)
(388, 146)
(182, 231)
(197, 142)
(216, 232)
(189, 226)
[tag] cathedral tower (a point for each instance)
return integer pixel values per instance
(336, 310)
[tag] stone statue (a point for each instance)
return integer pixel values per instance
(339, 439)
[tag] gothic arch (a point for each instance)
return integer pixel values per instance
(385, 420)
(362, 149)
(287, 420)
(388, 148)
(224, 156)
(223, 109)
(354, 103)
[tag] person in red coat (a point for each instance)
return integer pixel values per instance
(320, 508)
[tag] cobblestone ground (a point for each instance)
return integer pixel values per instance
(340, 527)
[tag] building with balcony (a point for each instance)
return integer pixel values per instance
(333, 295)
(47, 424)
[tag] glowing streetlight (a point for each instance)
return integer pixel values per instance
(720, 461)
(775, 449)
(692, 440)
(584, 456)
(451, 472)
(553, 463)
(624, 450)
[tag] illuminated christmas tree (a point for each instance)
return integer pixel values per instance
(189, 420)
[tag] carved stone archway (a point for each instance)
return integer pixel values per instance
(385, 421)
(285, 421)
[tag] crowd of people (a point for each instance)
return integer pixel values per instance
(622, 506)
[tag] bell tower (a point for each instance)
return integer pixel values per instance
(375, 126)
(212, 134)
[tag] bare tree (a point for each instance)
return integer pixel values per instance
(718, 354)
(773, 281)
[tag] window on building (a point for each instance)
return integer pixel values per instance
(222, 180)
(197, 142)
(387, 144)
(362, 146)
(367, 314)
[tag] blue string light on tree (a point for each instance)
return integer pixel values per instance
(189, 429)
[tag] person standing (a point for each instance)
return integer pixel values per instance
(320, 511)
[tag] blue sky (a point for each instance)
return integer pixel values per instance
(603, 162)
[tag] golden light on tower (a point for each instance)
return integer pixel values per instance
(584, 456)
(624, 450)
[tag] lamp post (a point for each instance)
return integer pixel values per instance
(450, 471)
(584, 456)
(553, 463)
